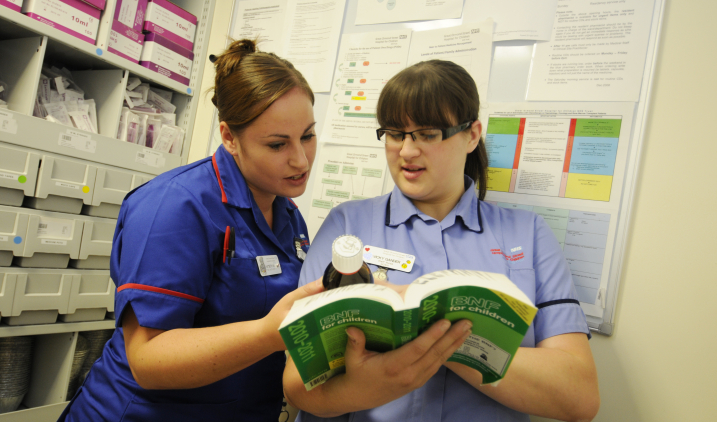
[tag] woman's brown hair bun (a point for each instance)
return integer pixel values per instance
(248, 81)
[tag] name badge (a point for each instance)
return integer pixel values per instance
(268, 265)
(388, 259)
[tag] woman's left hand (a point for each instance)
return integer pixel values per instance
(277, 314)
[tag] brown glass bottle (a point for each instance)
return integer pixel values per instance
(347, 266)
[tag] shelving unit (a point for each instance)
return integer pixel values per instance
(38, 159)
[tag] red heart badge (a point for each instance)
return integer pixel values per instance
(367, 249)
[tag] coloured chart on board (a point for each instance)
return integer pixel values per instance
(565, 162)
(343, 174)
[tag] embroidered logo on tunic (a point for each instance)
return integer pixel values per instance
(514, 257)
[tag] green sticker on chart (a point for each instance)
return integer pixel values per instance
(22, 179)
(319, 203)
(372, 172)
(337, 194)
(350, 170)
(332, 182)
(331, 168)
(356, 197)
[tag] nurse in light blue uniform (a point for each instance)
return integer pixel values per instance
(434, 214)
(206, 259)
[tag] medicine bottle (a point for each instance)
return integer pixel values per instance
(347, 266)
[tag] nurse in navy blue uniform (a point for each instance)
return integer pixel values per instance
(206, 259)
(429, 124)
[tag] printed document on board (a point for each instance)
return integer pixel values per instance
(386, 11)
(366, 62)
(469, 45)
(344, 173)
(514, 19)
(597, 52)
(305, 33)
(566, 162)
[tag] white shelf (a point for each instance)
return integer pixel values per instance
(71, 49)
(56, 328)
(44, 413)
(33, 132)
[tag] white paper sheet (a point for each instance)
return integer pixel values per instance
(384, 11)
(366, 62)
(305, 33)
(263, 18)
(468, 45)
(566, 162)
(514, 19)
(312, 38)
(344, 173)
(597, 52)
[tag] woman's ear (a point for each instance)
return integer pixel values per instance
(228, 139)
(476, 132)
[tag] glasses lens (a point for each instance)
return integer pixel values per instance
(391, 136)
(428, 136)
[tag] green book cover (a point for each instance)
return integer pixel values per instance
(314, 331)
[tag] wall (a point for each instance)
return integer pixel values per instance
(658, 366)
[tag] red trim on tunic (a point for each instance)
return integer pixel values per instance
(159, 290)
(219, 179)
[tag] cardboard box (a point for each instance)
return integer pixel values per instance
(70, 16)
(125, 42)
(15, 5)
(171, 22)
(131, 13)
(167, 58)
(97, 4)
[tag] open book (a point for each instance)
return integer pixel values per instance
(314, 331)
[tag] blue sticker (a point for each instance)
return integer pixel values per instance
(98, 51)
(17, 240)
(189, 90)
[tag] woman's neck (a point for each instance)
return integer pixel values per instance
(439, 208)
(265, 202)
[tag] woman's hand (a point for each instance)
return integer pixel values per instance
(277, 314)
(373, 379)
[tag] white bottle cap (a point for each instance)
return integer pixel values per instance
(346, 255)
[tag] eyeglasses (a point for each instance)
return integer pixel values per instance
(421, 136)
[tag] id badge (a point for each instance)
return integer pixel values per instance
(268, 265)
(388, 259)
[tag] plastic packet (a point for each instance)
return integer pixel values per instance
(154, 126)
(122, 129)
(177, 145)
(133, 94)
(55, 97)
(81, 120)
(72, 105)
(133, 122)
(168, 135)
(39, 109)
(58, 111)
(169, 119)
(133, 83)
(72, 95)
(92, 111)
(142, 140)
(163, 105)
(144, 90)
(167, 95)
(128, 100)
(44, 90)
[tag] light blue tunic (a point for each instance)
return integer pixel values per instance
(475, 235)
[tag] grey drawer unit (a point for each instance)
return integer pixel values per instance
(13, 230)
(18, 175)
(63, 185)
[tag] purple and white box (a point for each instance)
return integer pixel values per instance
(125, 42)
(166, 58)
(131, 13)
(70, 16)
(15, 5)
(97, 4)
(171, 22)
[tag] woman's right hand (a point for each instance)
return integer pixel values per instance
(277, 314)
(373, 379)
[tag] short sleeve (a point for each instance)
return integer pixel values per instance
(559, 312)
(161, 260)
(319, 255)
